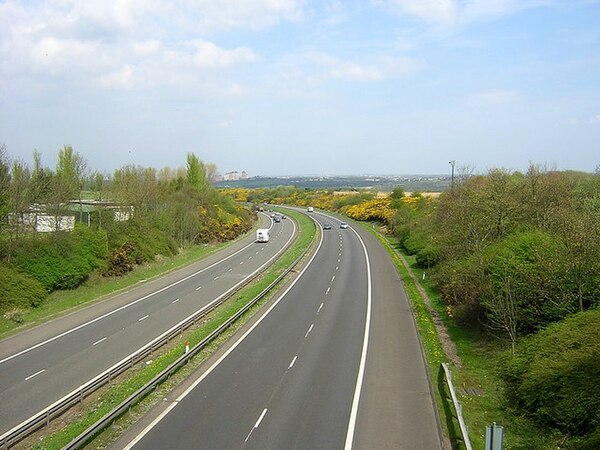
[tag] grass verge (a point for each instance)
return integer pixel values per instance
(98, 406)
(98, 287)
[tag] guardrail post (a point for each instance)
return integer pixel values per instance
(461, 421)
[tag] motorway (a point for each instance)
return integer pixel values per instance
(41, 365)
(334, 362)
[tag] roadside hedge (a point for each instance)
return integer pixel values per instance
(554, 377)
(18, 292)
(61, 260)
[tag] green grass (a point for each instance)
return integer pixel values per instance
(98, 287)
(140, 375)
(480, 357)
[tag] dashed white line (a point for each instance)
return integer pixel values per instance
(309, 329)
(216, 278)
(332, 278)
(257, 424)
(293, 362)
(143, 318)
(242, 263)
(337, 267)
(229, 270)
(250, 257)
(176, 300)
(198, 288)
(99, 340)
(339, 260)
(320, 307)
(327, 291)
(34, 375)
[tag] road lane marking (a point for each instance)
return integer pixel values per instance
(327, 291)
(34, 375)
(114, 311)
(202, 377)
(176, 300)
(363, 358)
(332, 278)
(293, 362)
(143, 318)
(320, 307)
(309, 330)
(216, 278)
(198, 288)
(257, 424)
(337, 267)
(100, 340)
(229, 270)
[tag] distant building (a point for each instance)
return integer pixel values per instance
(235, 176)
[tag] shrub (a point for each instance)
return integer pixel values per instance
(61, 260)
(18, 292)
(555, 373)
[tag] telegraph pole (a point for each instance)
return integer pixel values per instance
(452, 163)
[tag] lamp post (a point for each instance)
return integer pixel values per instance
(452, 163)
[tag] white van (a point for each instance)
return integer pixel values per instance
(310, 209)
(262, 235)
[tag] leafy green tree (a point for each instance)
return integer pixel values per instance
(196, 174)
(4, 184)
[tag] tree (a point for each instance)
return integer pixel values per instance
(41, 179)
(502, 309)
(4, 185)
(20, 194)
(196, 174)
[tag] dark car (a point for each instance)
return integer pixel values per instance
(277, 219)
(327, 226)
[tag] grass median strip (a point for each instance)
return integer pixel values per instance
(97, 406)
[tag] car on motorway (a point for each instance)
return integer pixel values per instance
(277, 219)
(327, 226)
(343, 225)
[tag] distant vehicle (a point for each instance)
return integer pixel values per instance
(272, 215)
(343, 225)
(283, 217)
(277, 219)
(262, 235)
(310, 209)
(327, 226)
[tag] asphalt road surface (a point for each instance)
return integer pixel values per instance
(333, 363)
(41, 365)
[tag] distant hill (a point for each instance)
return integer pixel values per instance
(412, 183)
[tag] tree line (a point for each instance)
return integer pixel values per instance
(166, 210)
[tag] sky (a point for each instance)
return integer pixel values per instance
(299, 87)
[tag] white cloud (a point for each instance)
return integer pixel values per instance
(208, 55)
(114, 42)
(122, 78)
(457, 12)
(380, 68)
(595, 120)
(495, 97)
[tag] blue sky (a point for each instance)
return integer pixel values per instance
(288, 87)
